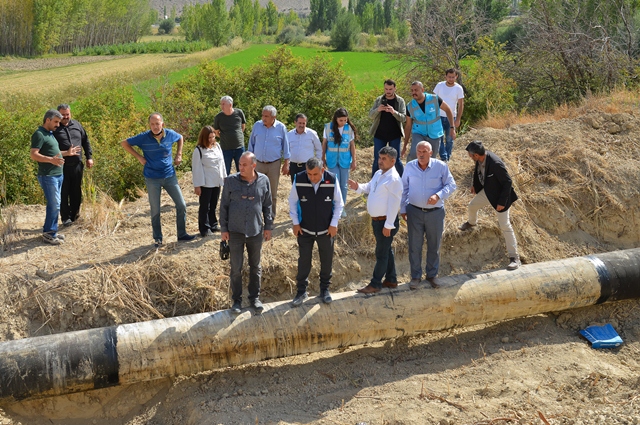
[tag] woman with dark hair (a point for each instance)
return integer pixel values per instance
(209, 172)
(339, 149)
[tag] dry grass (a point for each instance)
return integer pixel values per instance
(101, 214)
(8, 228)
(62, 77)
(620, 101)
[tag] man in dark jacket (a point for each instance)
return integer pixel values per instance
(71, 133)
(492, 186)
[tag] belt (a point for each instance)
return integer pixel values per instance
(299, 164)
(426, 209)
(267, 162)
(324, 232)
(381, 218)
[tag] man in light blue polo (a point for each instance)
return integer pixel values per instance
(423, 121)
(156, 145)
(426, 183)
(269, 143)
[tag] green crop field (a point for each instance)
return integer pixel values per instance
(367, 70)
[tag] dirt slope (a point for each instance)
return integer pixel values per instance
(578, 184)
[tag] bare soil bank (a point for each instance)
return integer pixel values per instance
(578, 184)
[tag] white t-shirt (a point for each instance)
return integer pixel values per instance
(450, 95)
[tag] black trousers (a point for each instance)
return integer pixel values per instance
(305, 250)
(207, 211)
(71, 195)
(294, 169)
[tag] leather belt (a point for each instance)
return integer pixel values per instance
(426, 209)
(270, 162)
(381, 218)
(299, 164)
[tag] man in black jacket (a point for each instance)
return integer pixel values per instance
(492, 186)
(70, 133)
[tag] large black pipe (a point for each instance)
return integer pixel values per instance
(105, 357)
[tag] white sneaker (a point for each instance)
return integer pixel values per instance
(514, 263)
(51, 240)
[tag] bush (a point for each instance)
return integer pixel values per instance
(166, 26)
(313, 86)
(291, 34)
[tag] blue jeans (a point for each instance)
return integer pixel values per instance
(342, 174)
(232, 154)
(385, 259)
(420, 224)
(379, 144)
(170, 184)
(446, 142)
(52, 188)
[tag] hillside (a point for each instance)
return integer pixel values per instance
(578, 185)
(301, 7)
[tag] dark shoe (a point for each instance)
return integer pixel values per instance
(414, 284)
(215, 228)
(368, 290)
(257, 305)
(299, 299)
(236, 308)
(514, 263)
(435, 283)
(391, 285)
(186, 238)
(466, 226)
(207, 233)
(67, 222)
(326, 296)
(158, 243)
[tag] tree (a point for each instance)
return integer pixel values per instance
(271, 13)
(323, 14)
(366, 18)
(345, 32)
(443, 34)
(166, 26)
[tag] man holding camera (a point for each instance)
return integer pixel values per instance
(388, 115)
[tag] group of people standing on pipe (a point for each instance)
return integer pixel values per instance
(319, 173)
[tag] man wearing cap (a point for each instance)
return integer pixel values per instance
(383, 203)
(492, 185)
(426, 183)
(303, 145)
(315, 205)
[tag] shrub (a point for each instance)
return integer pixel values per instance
(345, 32)
(291, 34)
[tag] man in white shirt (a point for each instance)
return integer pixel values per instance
(453, 95)
(383, 203)
(427, 182)
(315, 205)
(303, 145)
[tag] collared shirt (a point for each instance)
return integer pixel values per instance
(338, 204)
(419, 185)
(385, 190)
(304, 146)
(269, 144)
(47, 145)
(157, 153)
(246, 207)
(73, 134)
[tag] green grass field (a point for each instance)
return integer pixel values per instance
(367, 70)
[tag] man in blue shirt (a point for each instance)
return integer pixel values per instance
(156, 145)
(269, 143)
(426, 183)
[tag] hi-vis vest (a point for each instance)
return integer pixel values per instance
(426, 123)
(315, 209)
(340, 154)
